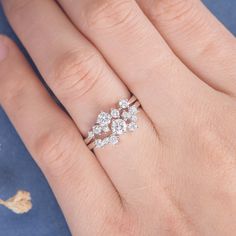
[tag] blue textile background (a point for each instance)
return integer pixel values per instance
(18, 170)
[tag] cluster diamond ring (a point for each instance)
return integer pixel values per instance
(111, 125)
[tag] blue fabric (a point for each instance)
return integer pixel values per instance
(18, 170)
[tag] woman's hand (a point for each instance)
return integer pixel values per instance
(176, 174)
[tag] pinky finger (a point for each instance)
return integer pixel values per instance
(75, 176)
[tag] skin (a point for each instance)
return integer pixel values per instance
(175, 175)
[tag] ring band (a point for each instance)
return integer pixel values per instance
(109, 126)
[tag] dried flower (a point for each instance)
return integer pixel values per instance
(19, 204)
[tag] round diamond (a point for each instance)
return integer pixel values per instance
(104, 118)
(115, 113)
(126, 115)
(90, 134)
(114, 139)
(132, 126)
(106, 141)
(99, 143)
(133, 110)
(97, 129)
(124, 103)
(134, 118)
(105, 129)
(119, 126)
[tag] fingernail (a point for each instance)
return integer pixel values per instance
(3, 50)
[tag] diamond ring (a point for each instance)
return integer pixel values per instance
(110, 126)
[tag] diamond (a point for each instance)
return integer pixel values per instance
(118, 126)
(126, 115)
(133, 110)
(114, 139)
(104, 118)
(105, 129)
(99, 143)
(134, 118)
(115, 113)
(124, 103)
(132, 126)
(97, 129)
(90, 134)
(106, 141)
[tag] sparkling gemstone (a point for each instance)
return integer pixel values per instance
(106, 141)
(90, 134)
(133, 110)
(124, 103)
(132, 126)
(114, 139)
(105, 128)
(118, 126)
(134, 118)
(115, 113)
(97, 129)
(126, 115)
(104, 118)
(99, 143)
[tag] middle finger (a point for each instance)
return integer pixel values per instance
(139, 55)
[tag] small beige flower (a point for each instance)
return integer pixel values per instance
(19, 204)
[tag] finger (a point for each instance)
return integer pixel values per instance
(71, 66)
(75, 176)
(198, 38)
(138, 54)
(83, 82)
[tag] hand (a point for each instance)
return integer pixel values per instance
(176, 174)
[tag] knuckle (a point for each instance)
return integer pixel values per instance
(109, 14)
(75, 73)
(53, 150)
